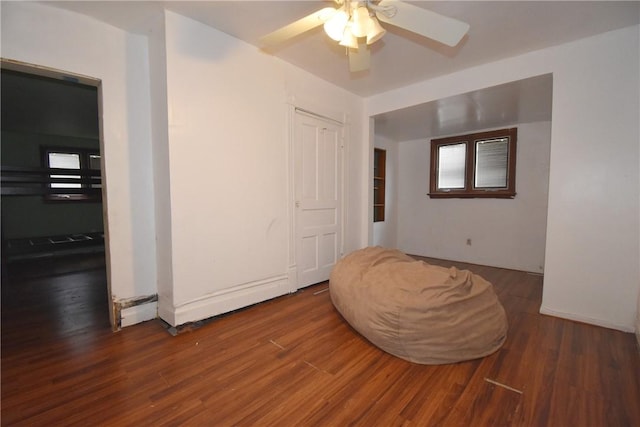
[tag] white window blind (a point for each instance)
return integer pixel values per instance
(451, 165)
(65, 161)
(492, 158)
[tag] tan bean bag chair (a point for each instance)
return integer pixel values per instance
(422, 313)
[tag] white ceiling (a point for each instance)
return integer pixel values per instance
(499, 29)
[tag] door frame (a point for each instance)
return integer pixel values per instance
(293, 110)
(54, 73)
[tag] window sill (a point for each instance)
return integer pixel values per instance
(462, 195)
(72, 198)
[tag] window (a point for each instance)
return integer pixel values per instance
(84, 185)
(379, 171)
(64, 161)
(475, 165)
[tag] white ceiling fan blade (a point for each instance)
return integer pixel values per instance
(298, 27)
(424, 22)
(359, 59)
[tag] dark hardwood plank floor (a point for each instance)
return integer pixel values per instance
(293, 361)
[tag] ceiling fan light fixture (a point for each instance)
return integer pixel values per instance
(336, 25)
(376, 31)
(325, 14)
(361, 22)
(355, 24)
(349, 40)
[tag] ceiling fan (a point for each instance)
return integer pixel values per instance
(355, 25)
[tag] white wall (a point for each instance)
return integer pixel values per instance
(229, 168)
(46, 36)
(506, 233)
(592, 268)
(213, 184)
(161, 161)
(638, 305)
(385, 232)
(592, 251)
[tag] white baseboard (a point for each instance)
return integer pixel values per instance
(139, 313)
(225, 300)
(292, 277)
(585, 319)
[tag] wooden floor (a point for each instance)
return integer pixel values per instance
(293, 361)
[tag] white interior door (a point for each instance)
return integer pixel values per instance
(318, 196)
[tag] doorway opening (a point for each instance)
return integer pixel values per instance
(54, 265)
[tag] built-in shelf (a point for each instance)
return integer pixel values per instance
(379, 173)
